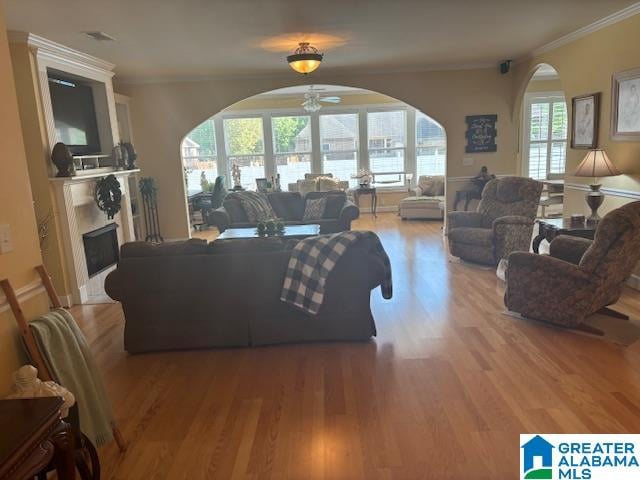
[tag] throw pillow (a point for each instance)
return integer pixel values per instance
(314, 209)
(431, 186)
(255, 205)
(328, 184)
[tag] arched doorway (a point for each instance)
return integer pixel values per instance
(544, 136)
(322, 129)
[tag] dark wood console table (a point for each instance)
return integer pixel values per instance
(550, 228)
(357, 192)
(34, 437)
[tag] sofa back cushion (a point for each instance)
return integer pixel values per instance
(431, 186)
(287, 205)
(328, 184)
(235, 210)
(307, 185)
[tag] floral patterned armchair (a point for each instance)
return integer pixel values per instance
(503, 222)
(580, 276)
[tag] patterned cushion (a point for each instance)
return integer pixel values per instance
(256, 205)
(314, 209)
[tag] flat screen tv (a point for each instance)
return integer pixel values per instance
(74, 115)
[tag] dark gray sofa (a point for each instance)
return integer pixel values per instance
(289, 206)
(192, 295)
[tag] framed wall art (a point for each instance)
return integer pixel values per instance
(585, 115)
(625, 105)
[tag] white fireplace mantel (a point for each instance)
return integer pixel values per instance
(78, 214)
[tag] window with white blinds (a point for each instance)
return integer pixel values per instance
(545, 145)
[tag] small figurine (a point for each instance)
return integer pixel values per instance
(235, 175)
(26, 384)
(480, 180)
(63, 160)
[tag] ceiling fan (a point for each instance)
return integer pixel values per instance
(312, 99)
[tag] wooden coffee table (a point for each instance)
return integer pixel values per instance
(550, 228)
(290, 231)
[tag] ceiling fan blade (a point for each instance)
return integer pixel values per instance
(330, 99)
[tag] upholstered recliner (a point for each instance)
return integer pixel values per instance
(503, 222)
(580, 276)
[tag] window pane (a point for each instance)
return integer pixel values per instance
(386, 129)
(291, 134)
(199, 157)
(387, 160)
(243, 136)
(558, 157)
(539, 121)
(339, 145)
(559, 121)
(538, 161)
(251, 167)
(292, 167)
(431, 146)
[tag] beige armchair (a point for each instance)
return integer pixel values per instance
(503, 222)
(580, 276)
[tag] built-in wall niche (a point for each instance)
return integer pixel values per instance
(81, 117)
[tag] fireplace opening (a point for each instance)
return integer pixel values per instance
(101, 248)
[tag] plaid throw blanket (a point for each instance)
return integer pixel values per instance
(313, 259)
(255, 205)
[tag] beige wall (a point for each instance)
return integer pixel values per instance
(163, 113)
(16, 209)
(586, 66)
(535, 86)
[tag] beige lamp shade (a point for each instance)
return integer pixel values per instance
(596, 164)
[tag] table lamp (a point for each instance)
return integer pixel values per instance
(596, 164)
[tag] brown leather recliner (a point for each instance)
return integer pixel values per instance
(503, 222)
(580, 276)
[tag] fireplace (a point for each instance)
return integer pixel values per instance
(101, 248)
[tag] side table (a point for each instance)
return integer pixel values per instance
(33, 437)
(357, 192)
(550, 228)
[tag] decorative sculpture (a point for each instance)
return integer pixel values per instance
(132, 156)
(149, 194)
(235, 175)
(63, 160)
(26, 384)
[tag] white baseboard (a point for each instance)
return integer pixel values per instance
(634, 282)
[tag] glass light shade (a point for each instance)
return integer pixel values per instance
(596, 164)
(306, 65)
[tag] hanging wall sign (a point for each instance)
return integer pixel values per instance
(481, 133)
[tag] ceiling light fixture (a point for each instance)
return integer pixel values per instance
(305, 59)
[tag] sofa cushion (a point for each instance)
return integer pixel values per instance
(472, 236)
(314, 208)
(234, 208)
(287, 205)
(256, 205)
(245, 245)
(193, 246)
(334, 205)
(431, 185)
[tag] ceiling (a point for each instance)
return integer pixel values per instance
(191, 38)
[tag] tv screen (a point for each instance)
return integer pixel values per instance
(75, 116)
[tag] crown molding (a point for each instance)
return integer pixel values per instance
(44, 47)
(609, 20)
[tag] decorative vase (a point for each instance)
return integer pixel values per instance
(63, 160)
(594, 199)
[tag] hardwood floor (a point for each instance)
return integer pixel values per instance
(442, 393)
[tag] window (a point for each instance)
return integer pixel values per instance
(244, 144)
(339, 140)
(546, 137)
(199, 157)
(431, 146)
(386, 143)
(291, 147)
